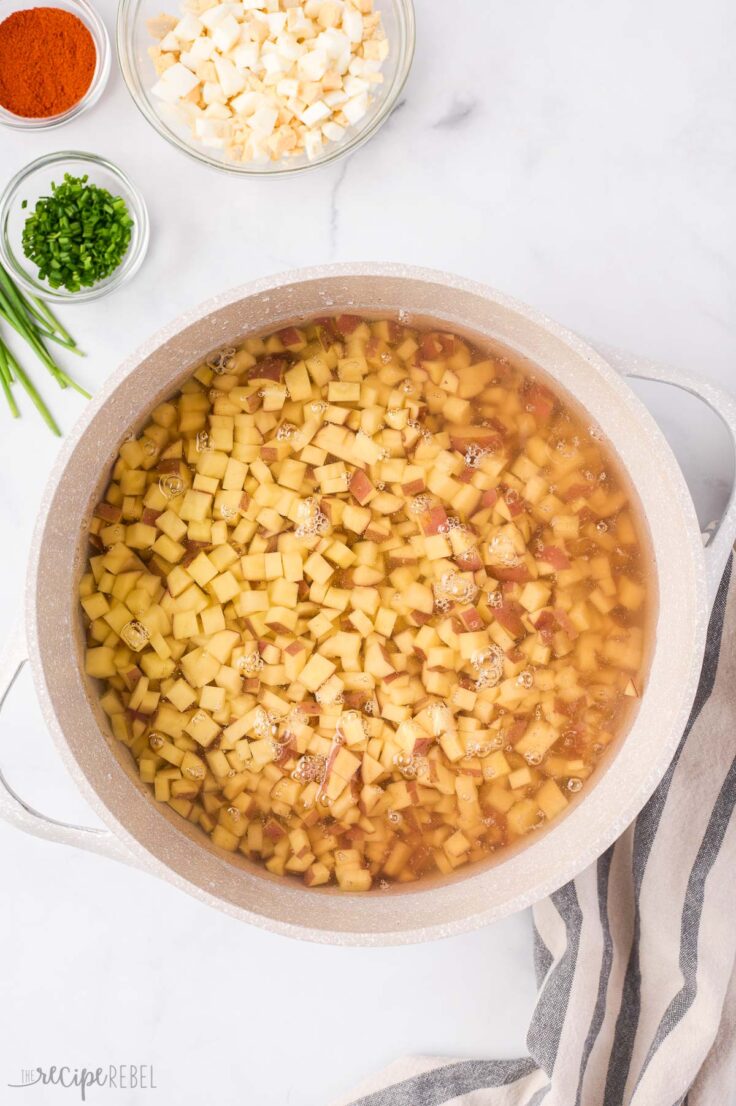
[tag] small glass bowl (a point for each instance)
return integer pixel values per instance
(34, 181)
(133, 41)
(97, 29)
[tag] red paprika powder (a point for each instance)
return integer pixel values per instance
(47, 62)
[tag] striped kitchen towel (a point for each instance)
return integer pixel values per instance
(635, 957)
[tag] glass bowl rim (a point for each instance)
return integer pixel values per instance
(128, 266)
(103, 46)
(126, 8)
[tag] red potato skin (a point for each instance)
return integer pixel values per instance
(433, 521)
(565, 624)
(471, 619)
(420, 617)
(517, 730)
(253, 402)
(469, 561)
(346, 324)
(131, 677)
(555, 557)
(149, 516)
(108, 513)
(515, 574)
(395, 331)
(269, 368)
(577, 491)
(400, 562)
(546, 625)
(278, 627)
(292, 338)
(170, 465)
(372, 533)
(430, 347)
(508, 614)
(360, 487)
(491, 443)
(414, 487)
(310, 707)
(248, 625)
(514, 502)
(193, 548)
(137, 715)
(355, 700)
(541, 401)
(273, 830)
(437, 345)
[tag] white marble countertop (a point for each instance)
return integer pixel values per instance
(582, 157)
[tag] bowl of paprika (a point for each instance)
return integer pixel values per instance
(54, 62)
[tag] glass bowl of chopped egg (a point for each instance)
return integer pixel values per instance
(266, 87)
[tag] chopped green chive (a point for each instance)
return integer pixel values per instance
(78, 235)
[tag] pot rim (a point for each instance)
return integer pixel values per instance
(577, 860)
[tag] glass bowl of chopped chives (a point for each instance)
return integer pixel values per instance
(73, 227)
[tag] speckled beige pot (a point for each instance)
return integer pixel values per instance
(143, 833)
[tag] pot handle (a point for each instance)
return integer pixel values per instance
(720, 538)
(20, 814)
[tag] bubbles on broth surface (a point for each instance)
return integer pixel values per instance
(310, 769)
(135, 635)
(250, 664)
(170, 485)
(313, 521)
(221, 360)
(474, 455)
(452, 587)
(488, 665)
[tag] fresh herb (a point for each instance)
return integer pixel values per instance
(78, 235)
(33, 321)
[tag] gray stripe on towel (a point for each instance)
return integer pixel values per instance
(543, 1038)
(542, 958)
(645, 831)
(692, 913)
(603, 871)
(433, 1088)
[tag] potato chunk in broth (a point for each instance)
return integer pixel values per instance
(366, 603)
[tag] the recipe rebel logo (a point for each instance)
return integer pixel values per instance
(113, 1077)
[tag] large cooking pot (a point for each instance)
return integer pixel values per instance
(151, 836)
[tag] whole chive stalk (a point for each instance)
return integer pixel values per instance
(36, 325)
